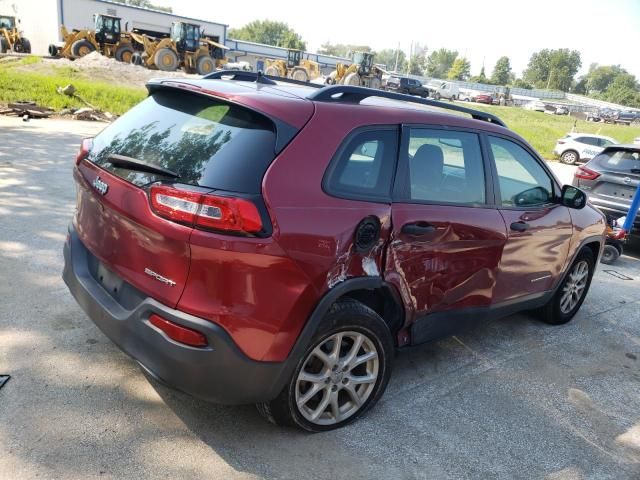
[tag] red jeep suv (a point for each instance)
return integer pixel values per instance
(254, 241)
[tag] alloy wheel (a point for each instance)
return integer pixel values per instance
(575, 287)
(337, 378)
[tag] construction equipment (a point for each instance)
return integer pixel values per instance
(362, 72)
(11, 38)
(187, 48)
(107, 38)
(295, 67)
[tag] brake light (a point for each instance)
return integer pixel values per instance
(230, 214)
(85, 148)
(179, 333)
(585, 173)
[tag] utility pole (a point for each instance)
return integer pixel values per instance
(397, 55)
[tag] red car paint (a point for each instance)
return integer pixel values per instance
(262, 290)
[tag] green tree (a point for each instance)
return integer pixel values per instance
(145, 4)
(482, 78)
(520, 83)
(623, 90)
(553, 68)
(341, 50)
(600, 77)
(501, 72)
(388, 57)
(439, 62)
(269, 32)
(460, 70)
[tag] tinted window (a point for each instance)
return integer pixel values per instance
(442, 167)
(588, 140)
(620, 160)
(522, 180)
(363, 167)
(205, 141)
(603, 142)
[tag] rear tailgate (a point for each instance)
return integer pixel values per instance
(189, 141)
(619, 178)
(122, 232)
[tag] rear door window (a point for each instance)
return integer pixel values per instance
(363, 167)
(205, 141)
(441, 166)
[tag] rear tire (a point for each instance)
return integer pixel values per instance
(81, 48)
(610, 254)
(570, 157)
(22, 46)
(333, 384)
(571, 292)
(124, 53)
(205, 65)
(166, 60)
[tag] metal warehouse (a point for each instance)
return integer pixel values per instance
(41, 19)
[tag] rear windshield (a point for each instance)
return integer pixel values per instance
(205, 141)
(620, 160)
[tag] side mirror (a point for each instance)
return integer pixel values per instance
(573, 197)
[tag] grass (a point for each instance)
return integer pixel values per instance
(542, 130)
(16, 85)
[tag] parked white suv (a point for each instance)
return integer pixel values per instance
(446, 90)
(581, 147)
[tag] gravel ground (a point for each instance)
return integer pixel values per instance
(509, 399)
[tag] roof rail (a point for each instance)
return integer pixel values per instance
(354, 94)
(257, 77)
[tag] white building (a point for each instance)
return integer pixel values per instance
(41, 19)
(257, 54)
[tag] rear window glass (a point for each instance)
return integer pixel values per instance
(622, 160)
(207, 142)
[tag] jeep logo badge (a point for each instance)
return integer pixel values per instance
(100, 186)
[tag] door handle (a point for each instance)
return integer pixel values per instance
(519, 226)
(417, 229)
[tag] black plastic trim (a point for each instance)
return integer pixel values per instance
(353, 94)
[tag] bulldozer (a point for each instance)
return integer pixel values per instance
(107, 38)
(362, 72)
(11, 38)
(295, 67)
(187, 47)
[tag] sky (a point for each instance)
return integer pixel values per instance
(606, 32)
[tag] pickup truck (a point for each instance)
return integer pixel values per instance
(446, 90)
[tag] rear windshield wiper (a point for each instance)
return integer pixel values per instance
(131, 163)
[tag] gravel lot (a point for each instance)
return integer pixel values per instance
(510, 399)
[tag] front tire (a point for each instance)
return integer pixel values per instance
(342, 374)
(124, 53)
(166, 60)
(80, 48)
(570, 157)
(205, 65)
(571, 292)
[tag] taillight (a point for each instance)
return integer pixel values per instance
(178, 332)
(85, 148)
(230, 214)
(585, 173)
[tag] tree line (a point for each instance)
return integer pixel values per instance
(553, 69)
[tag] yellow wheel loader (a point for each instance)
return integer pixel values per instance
(107, 38)
(362, 72)
(11, 38)
(187, 48)
(295, 67)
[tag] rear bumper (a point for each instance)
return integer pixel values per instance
(219, 373)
